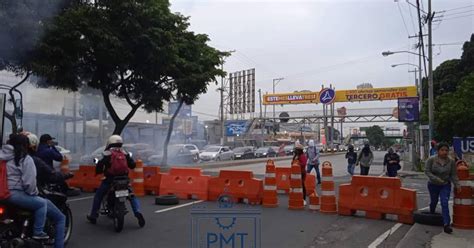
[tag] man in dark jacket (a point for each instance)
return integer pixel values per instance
(47, 151)
(392, 161)
(114, 143)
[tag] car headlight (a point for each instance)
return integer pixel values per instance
(264, 153)
(214, 155)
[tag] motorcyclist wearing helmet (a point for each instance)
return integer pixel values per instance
(114, 144)
(46, 175)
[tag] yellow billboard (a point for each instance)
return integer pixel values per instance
(358, 95)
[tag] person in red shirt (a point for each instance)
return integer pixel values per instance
(300, 156)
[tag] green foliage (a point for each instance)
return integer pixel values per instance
(375, 135)
(136, 50)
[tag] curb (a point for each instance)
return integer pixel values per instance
(419, 236)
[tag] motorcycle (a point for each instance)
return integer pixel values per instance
(16, 224)
(113, 204)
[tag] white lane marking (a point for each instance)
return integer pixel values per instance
(80, 199)
(179, 206)
(385, 235)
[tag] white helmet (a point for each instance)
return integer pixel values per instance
(32, 138)
(114, 139)
(311, 143)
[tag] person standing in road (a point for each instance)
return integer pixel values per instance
(300, 156)
(392, 162)
(433, 149)
(441, 172)
(365, 159)
(351, 157)
(313, 159)
(47, 151)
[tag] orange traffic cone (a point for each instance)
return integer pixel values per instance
(138, 183)
(64, 167)
(328, 195)
(270, 198)
(296, 188)
(314, 201)
(463, 208)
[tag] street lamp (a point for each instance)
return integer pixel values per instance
(388, 53)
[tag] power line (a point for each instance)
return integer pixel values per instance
(403, 18)
(464, 7)
(411, 18)
(457, 17)
(457, 13)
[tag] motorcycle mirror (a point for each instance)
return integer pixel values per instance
(96, 160)
(130, 154)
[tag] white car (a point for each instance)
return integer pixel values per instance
(217, 153)
(190, 147)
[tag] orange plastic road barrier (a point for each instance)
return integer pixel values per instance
(377, 196)
(283, 179)
(85, 179)
(295, 200)
(186, 183)
(328, 194)
(270, 198)
(239, 185)
(64, 167)
(138, 179)
(463, 208)
(314, 202)
(310, 184)
(152, 178)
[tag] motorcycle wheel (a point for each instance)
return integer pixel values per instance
(68, 213)
(119, 215)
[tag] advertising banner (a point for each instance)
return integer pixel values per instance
(358, 95)
(234, 128)
(408, 109)
(464, 148)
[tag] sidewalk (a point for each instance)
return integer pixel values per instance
(459, 238)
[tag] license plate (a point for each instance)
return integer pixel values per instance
(121, 193)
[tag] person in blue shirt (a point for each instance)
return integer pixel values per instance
(433, 150)
(47, 151)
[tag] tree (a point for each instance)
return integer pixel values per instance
(375, 135)
(454, 115)
(22, 25)
(133, 50)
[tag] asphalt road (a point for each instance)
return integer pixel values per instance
(280, 227)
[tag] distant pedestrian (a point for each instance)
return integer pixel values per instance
(365, 159)
(441, 171)
(433, 149)
(351, 157)
(392, 162)
(302, 160)
(312, 154)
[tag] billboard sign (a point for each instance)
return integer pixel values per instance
(358, 95)
(185, 111)
(242, 92)
(463, 146)
(408, 109)
(234, 128)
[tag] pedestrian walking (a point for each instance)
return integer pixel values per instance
(300, 156)
(441, 171)
(392, 162)
(313, 159)
(365, 159)
(351, 157)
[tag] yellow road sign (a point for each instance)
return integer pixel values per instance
(358, 95)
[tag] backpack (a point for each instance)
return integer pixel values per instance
(4, 192)
(118, 163)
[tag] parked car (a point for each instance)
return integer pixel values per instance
(139, 151)
(177, 155)
(217, 153)
(289, 149)
(245, 152)
(192, 148)
(266, 152)
(88, 159)
(320, 147)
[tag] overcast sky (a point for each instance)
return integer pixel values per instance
(314, 42)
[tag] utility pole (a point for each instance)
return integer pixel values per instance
(429, 19)
(260, 120)
(222, 108)
(275, 82)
